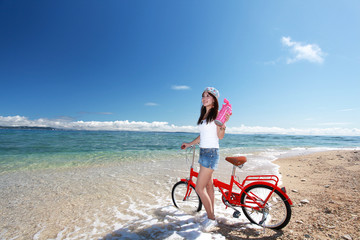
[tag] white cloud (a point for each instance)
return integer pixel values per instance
(180, 87)
(335, 131)
(151, 104)
(95, 113)
(308, 52)
(14, 121)
(334, 123)
(166, 127)
(270, 63)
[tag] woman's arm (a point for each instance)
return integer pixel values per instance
(186, 145)
(221, 130)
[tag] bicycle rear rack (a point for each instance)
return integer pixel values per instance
(265, 178)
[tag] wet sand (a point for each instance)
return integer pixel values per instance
(79, 203)
(325, 190)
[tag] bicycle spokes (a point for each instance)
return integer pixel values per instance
(266, 206)
(185, 197)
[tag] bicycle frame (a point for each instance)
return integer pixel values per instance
(232, 199)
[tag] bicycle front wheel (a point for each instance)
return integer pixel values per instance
(185, 197)
(277, 211)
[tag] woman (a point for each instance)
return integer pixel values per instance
(209, 137)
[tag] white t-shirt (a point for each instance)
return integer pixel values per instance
(208, 135)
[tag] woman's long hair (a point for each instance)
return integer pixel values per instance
(212, 113)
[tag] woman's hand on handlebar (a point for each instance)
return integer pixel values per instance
(185, 145)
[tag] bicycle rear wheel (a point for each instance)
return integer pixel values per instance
(277, 211)
(190, 203)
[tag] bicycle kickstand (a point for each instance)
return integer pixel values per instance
(237, 213)
(262, 222)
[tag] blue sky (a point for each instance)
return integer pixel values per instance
(286, 66)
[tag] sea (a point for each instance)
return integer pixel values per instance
(62, 184)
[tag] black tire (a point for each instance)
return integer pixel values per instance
(278, 208)
(191, 204)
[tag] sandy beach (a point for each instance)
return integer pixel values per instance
(108, 203)
(325, 190)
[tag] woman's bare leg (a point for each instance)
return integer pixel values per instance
(205, 190)
(211, 193)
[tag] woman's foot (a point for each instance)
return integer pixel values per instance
(209, 225)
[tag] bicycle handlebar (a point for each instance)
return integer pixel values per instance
(192, 147)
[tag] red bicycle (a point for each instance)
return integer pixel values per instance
(260, 198)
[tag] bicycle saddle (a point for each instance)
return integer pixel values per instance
(237, 161)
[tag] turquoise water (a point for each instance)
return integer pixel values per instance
(117, 185)
(33, 149)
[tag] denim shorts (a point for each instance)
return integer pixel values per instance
(209, 157)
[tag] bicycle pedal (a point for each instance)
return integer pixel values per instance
(236, 214)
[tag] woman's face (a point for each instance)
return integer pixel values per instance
(207, 100)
